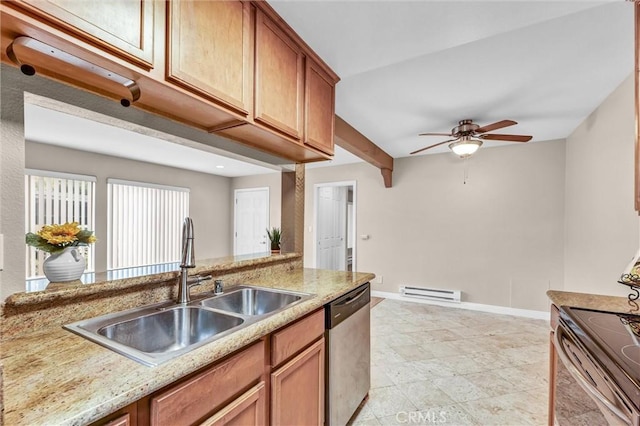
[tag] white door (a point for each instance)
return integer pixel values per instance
(332, 228)
(251, 219)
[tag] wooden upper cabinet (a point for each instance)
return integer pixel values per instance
(279, 79)
(319, 108)
(210, 50)
(123, 28)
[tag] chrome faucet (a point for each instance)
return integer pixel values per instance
(188, 261)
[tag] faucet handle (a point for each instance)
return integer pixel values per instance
(204, 278)
(197, 280)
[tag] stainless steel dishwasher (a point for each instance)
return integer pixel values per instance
(348, 359)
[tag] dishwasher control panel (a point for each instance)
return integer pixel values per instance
(344, 306)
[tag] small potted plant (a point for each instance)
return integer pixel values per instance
(274, 235)
(65, 262)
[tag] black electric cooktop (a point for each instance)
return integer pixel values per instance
(612, 343)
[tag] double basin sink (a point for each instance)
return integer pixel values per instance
(158, 333)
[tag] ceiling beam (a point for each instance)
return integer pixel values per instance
(358, 144)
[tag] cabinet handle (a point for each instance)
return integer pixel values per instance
(34, 45)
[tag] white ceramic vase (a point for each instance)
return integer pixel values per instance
(67, 265)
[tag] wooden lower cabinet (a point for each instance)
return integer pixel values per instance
(196, 399)
(297, 389)
(278, 380)
(248, 409)
(123, 420)
(127, 416)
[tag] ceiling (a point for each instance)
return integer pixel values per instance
(409, 67)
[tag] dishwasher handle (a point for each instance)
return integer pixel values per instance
(352, 298)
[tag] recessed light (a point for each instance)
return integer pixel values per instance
(219, 167)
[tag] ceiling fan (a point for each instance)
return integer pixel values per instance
(467, 136)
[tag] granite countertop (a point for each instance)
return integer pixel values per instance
(592, 301)
(56, 377)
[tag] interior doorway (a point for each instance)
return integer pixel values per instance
(335, 226)
(251, 219)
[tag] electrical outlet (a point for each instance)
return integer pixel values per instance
(377, 280)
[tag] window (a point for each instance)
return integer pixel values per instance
(53, 198)
(145, 223)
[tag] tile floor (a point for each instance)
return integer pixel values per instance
(449, 366)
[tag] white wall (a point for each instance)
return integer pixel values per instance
(208, 197)
(498, 238)
(602, 226)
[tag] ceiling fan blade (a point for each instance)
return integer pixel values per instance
(495, 126)
(431, 146)
(435, 134)
(510, 138)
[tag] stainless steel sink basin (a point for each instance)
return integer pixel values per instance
(253, 301)
(158, 333)
(169, 330)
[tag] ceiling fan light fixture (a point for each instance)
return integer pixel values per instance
(465, 146)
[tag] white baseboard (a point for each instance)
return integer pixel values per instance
(494, 309)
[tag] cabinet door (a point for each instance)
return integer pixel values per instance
(248, 409)
(127, 416)
(294, 338)
(279, 79)
(123, 27)
(319, 108)
(297, 389)
(204, 394)
(210, 50)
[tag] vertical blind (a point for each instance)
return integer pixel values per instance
(55, 198)
(144, 223)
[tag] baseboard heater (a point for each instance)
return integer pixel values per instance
(431, 293)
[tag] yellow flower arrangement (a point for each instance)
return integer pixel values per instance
(54, 238)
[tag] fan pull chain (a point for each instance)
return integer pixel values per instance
(466, 171)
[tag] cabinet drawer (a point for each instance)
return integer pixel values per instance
(291, 340)
(199, 396)
(248, 409)
(127, 416)
(123, 420)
